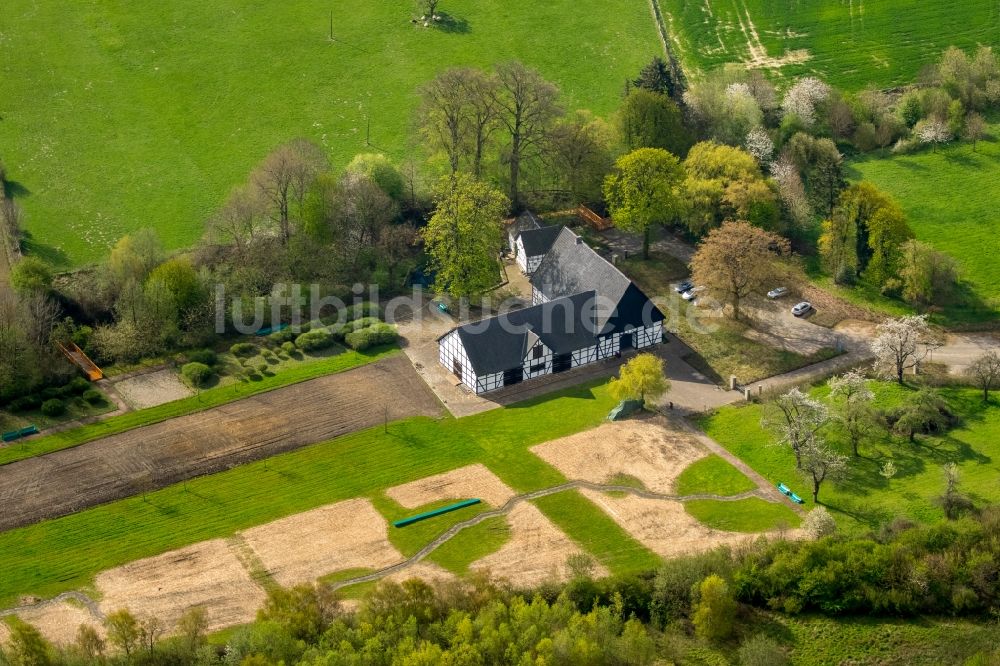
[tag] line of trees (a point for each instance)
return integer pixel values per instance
(717, 600)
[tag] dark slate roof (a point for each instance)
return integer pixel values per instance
(538, 241)
(571, 266)
(523, 222)
(500, 343)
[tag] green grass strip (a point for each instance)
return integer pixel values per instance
(471, 544)
(201, 401)
(65, 553)
(597, 532)
(713, 476)
(746, 515)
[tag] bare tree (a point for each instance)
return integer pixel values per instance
(527, 104)
(429, 8)
(395, 243)
(739, 259)
(985, 371)
(975, 129)
(480, 91)
(445, 112)
(10, 227)
(284, 177)
(796, 418)
(898, 345)
(239, 219)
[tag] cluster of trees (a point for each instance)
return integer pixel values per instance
(701, 600)
(295, 220)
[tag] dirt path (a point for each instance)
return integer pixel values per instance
(210, 441)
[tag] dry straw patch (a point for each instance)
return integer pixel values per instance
(536, 552)
(205, 574)
(462, 483)
(305, 546)
(152, 389)
(58, 623)
(425, 571)
(644, 449)
(663, 526)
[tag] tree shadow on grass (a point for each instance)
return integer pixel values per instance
(47, 253)
(14, 190)
(446, 23)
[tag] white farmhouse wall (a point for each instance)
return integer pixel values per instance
(536, 367)
(450, 348)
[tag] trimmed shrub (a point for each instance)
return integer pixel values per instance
(281, 337)
(52, 392)
(93, 396)
(288, 347)
(244, 349)
(376, 334)
(54, 407)
(314, 340)
(197, 374)
(262, 368)
(26, 403)
(203, 356)
(359, 324)
(77, 386)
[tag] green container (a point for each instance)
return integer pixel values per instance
(436, 512)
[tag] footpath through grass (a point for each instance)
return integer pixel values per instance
(65, 553)
(865, 499)
(199, 402)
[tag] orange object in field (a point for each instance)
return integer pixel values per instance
(82, 361)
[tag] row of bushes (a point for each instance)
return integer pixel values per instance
(78, 386)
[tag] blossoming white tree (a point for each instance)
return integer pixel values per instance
(796, 418)
(802, 98)
(760, 145)
(898, 345)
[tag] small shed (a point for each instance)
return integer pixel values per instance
(523, 222)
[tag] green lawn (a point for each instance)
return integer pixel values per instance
(470, 544)
(712, 475)
(200, 401)
(118, 116)
(849, 43)
(949, 199)
(746, 515)
(865, 499)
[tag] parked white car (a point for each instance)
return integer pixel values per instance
(692, 293)
(802, 308)
(778, 292)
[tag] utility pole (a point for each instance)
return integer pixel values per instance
(331, 25)
(368, 130)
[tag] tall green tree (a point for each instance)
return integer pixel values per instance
(649, 119)
(643, 191)
(656, 77)
(725, 183)
(641, 378)
(465, 234)
(526, 106)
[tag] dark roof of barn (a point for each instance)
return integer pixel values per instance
(500, 343)
(571, 266)
(523, 222)
(538, 241)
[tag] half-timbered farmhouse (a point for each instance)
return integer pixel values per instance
(584, 310)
